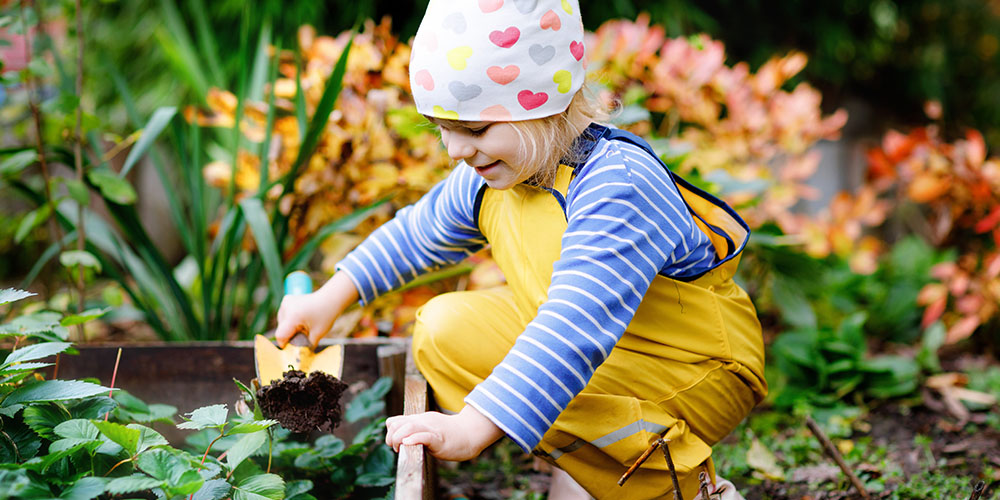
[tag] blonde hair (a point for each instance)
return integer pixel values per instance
(547, 142)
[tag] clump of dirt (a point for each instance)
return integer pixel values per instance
(302, 403)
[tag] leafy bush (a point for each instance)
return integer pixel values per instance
(949, 193)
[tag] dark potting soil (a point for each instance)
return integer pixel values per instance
(302, 403)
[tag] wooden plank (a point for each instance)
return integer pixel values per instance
(415, 468)
(392, 364)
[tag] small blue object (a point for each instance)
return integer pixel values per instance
(298, 283)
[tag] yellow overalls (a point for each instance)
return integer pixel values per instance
(689, 367)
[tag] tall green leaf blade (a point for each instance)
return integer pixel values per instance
(260, 226)
(345, 223)
(53, 390)
(322, 114)
(258, 74)
(206, 42)
(176, 43)
(161, 117)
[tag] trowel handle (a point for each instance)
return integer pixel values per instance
(298, 283)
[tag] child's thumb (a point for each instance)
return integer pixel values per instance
(284, 332)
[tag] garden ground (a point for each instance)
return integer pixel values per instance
(912, 449)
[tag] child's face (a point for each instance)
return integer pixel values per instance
(492, 148)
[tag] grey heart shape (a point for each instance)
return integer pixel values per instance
(455, 22)
(464, 92)
(525, 6)
(541, 54)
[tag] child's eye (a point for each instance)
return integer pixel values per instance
(478, 131)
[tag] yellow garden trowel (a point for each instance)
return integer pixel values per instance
(298, 354)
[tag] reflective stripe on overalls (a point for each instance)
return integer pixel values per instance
(689, 366)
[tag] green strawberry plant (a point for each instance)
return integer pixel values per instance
(70, 439)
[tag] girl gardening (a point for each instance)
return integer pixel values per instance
(620, 322)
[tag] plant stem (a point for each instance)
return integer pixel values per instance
(113, 375)
(81, 235)
(832, 451)
(30, 84)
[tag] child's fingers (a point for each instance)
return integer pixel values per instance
(284, 331)
(431, 440)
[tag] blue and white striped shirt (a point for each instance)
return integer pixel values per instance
(626, 223)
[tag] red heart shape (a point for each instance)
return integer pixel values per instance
(503, 75)
(530, 100)
(506, 38)
(576, 48)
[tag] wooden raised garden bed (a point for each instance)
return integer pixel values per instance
(192, 375)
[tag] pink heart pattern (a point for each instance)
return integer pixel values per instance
(424, 79)
(488, 6)
(506, 38)
(500, 37)
(550, 20)
(503, 75)
(530, 100)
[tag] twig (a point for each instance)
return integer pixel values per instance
(642, 458)
(114, 374)
(673, 472)
(81, 233)
(978, 490)
(832, 451)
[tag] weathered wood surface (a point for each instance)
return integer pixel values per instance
(415, 468)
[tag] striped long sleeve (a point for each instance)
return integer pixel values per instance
(626, 223)
(437, 230)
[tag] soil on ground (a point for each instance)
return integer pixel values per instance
(303, 403)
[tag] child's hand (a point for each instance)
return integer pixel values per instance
(447, 437)
(313, 314)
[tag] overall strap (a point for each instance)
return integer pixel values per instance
(727, 230)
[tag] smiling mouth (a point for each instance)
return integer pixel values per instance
(485, 168)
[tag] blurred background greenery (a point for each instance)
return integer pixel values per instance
(893, 54)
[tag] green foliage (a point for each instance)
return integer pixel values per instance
(823, 365)
(215, 289)
(833, 315)
(68, 439)
(363, 468)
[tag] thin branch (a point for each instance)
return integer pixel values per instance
(30, 84)
(832, 451)
(673, 472)
(81, 236)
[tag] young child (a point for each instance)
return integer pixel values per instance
(620, 321)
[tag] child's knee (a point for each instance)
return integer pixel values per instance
(437, 322)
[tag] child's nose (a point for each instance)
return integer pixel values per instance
(459, 148)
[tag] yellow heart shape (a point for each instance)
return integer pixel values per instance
(567, 7)
(440, 112)
(457, 57)
(564, 80)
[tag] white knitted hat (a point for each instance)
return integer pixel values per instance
(497, 60)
